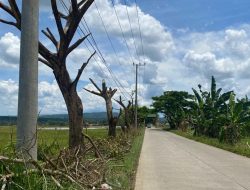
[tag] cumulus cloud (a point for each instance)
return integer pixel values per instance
(9, 51)
(8, 97)
(157, 41)
(208, 64)
(223, 54)
(174, 62)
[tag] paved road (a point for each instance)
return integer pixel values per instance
(171, 162)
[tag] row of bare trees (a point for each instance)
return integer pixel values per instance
(64, 43)
(107, 94)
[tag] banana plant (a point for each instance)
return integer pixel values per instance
(210, 106)
(237, 117)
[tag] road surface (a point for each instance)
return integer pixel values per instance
(171, 162)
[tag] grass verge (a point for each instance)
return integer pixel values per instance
(122, 154)
(241, 148)
(123, 171)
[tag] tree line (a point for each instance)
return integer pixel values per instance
(212, 113)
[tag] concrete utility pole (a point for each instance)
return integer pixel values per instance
(136, 92)
(28, 81)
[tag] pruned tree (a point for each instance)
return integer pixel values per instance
(57, 60)
(107, 94)
(126, 112)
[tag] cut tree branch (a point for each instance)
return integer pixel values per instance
(95, 85)
(15, 10)
(93, 92)
(45, 62)
(8, 22)
(63, 15)
(95, 147)
(81, 69)
(7, 9)
(74, 6)
(120, 102)
(49, 35)
(57, 19)
(113, 92)
(85, 5)
(81, 3)
(76, 44)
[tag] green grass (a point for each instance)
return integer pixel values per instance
(48, 137)
(121, 168)
(124, 171)
(240, 148)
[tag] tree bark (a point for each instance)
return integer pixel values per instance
(74, 107)
(112, 123)
(127, 119)
(75, 111)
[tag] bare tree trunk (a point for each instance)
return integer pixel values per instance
(107, 95)
(74, 107)
(126, 111)
(127, 119)
(112, 124)
(75, 110)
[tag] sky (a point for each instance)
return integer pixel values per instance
(183, 43)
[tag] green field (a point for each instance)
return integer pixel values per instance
(242, 147)
(8, 136)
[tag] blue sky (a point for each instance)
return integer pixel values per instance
(185, 43)
(198, 15)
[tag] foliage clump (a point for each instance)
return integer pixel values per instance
(209, 113)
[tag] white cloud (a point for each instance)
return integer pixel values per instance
(157, 41)
(8, 97)
(209, 65)
(174, 62)
(9, 51)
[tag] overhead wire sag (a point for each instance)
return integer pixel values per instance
(123, 35)
(139, 25)
(131, 30)
(117, 82)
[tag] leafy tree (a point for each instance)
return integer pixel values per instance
(175, 105)
(236, 118)
(143, 112)
(210, 106)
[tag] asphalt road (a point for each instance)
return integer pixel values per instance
(171, 162)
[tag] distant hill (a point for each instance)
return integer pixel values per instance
(59, 119)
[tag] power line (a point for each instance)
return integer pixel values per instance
(104, 73)
(106, 31)
(123, 35)
(139, 25)
(117, 82)
(132, 33)
(66, 9)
